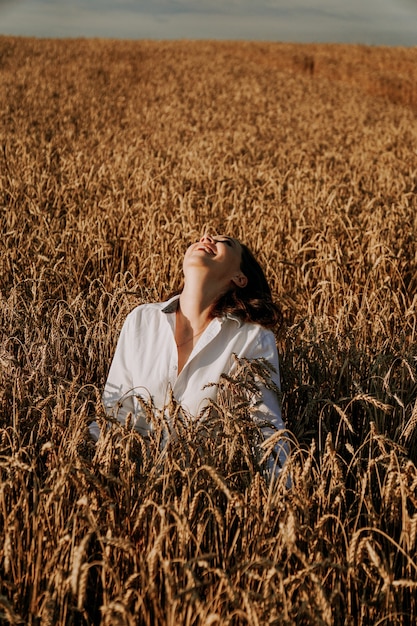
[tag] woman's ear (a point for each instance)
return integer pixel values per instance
(240, 280)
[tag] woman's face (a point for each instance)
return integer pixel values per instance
(219, 254)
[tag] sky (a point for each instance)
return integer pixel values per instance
(372, 22)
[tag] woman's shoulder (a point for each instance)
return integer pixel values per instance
(254, 341)
(251, 329)
(151, 309)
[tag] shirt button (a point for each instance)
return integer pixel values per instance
(175, 368)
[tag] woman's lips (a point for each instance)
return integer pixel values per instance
(207, 249)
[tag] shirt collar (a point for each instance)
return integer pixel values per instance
(171, 305)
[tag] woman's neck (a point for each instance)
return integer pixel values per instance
(192, 318)
(193, 315)
(196, 302)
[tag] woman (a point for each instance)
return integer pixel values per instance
(182, 345)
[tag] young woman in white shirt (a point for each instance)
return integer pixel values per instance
(178, 347)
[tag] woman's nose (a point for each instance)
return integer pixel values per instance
(207, 237)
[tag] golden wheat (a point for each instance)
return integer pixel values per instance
(114, 155)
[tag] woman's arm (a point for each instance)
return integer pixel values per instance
(118, 394)
(268, 410)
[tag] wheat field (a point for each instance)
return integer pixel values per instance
(114, 156)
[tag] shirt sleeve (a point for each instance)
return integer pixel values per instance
(268, 410)
(118, 394)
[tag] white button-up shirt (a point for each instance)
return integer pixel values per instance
(145, 364)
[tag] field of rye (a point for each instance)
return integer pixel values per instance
(114, 156)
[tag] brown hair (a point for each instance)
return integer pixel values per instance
(252, 303)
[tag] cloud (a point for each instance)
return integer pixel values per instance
(273, 8)
(373, 22)
(7, 3)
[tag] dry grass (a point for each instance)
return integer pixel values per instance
(115, 155)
